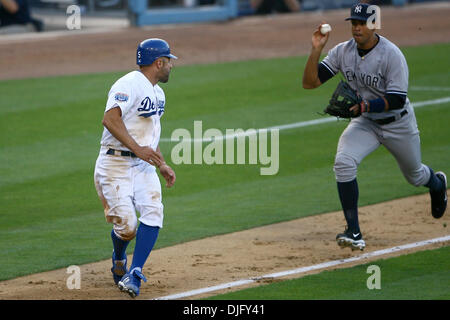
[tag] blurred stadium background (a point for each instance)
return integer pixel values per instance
(125, 13)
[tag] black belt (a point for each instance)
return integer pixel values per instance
(122, 153)
(389, 119)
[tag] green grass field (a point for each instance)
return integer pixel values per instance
(50, 216)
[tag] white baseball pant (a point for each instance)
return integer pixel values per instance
(126, 185)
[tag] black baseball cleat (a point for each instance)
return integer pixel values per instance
(439, 198)
(350, 239)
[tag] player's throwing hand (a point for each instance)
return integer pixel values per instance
(318, 39)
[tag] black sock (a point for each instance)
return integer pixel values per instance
(435, 184)
(348, 194)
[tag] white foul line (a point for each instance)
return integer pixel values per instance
(298, 124)
(419, 88)
(304, 269)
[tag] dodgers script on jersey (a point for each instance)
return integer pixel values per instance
(382, 71)
(142, 106)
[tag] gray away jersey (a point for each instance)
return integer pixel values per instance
(383, 70)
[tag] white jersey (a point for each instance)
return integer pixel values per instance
(142, 106)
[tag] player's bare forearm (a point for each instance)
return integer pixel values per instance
(310, 75)
(158, 150)
(166, 171)
(112, 121)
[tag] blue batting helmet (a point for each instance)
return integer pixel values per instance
(151, 49)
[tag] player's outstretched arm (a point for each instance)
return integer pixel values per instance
(310, 75)
(112, 120)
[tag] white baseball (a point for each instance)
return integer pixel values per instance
(325, 28)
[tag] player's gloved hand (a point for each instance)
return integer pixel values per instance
(149, 155)
(168, 174)
(345, 102)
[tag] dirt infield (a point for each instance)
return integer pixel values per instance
(241, 255)
(249, 253)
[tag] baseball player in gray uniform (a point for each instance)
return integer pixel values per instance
(377, 70)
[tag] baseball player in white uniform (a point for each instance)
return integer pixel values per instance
(377, 70)
(125, 172)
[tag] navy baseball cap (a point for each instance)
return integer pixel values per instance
(359, 12)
